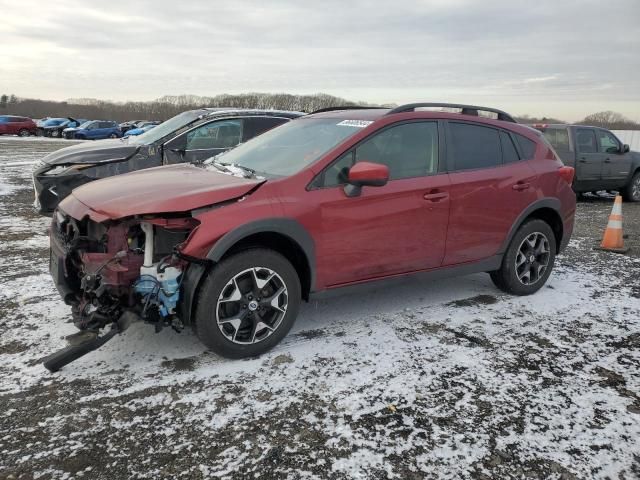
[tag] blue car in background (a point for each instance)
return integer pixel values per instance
(94, 130)
(140, 130)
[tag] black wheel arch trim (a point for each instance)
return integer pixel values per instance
(552, 203)
(287, 227)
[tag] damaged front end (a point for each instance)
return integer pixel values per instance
(114, 272)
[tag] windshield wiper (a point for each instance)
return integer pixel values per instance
(250, 171)
(219, 166)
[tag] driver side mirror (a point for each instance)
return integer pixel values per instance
(625, 148)
(365, 174)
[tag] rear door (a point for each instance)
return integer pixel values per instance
(616, 165)
(491, 184)
(589, 159)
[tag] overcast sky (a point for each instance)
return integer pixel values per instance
(560, 58)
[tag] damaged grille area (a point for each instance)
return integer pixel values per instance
(106, 269)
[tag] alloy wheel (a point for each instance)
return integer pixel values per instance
(635, 189)
(532, 259)
(252, 305)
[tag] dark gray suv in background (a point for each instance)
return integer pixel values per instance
(191, 136)
(601, 160)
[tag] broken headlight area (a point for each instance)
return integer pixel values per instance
(104, 270)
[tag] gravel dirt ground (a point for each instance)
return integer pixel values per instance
(452, 379)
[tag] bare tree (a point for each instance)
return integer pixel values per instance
(610, 120)
(165, 107)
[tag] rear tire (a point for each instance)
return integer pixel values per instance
(247, 303)
(631, 191)
(529, 259)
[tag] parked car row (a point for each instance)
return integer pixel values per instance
(231, 242)
(72, 128)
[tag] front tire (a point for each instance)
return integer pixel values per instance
(23, 132)
(631, 192)
(529, 259)
(113, 135)
(248, 303)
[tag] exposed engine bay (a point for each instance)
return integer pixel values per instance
(133, 266)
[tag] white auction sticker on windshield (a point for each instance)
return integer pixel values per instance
(355, 123)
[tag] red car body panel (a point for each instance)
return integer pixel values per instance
(175, 188)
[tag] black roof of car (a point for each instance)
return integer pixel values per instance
(220, 111)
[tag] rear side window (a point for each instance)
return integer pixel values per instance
(586, 141)
(220, 134)
(558, 138)
(509, 152)
(255, 126)
(473, 146)
(527, 147)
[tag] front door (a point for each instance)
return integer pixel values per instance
(397, 228)
(616, 165)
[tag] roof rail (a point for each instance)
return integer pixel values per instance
(466, 109)
(347, 107)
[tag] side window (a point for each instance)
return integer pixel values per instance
(558, 138)
(527, 147)
(586, 141)
(607, 142)
(409, 150)
(509, 152)
(92, 126)
(221, 134)
(338, 172)
(254, 126)
(474, 146)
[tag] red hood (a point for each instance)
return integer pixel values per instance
(175, 188)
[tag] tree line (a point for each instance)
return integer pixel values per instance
(163, 107)
(170, 105)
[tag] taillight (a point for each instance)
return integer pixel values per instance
(567, 173)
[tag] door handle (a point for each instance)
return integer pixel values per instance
(435, 196)
(521, 186)
(583, 160)
(607, 160)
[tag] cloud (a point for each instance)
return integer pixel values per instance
(573, 55)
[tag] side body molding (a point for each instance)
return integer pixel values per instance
(552, 203)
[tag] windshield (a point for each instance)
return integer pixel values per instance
(54, 122)
(86, 124)
(289, 148)
(165, 128)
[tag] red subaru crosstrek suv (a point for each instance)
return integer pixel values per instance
(13, 125)
(332, 199)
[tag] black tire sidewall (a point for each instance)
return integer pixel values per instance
(205, 323)
(507, 277)
(628, 190)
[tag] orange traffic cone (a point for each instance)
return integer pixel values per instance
(612, 240)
